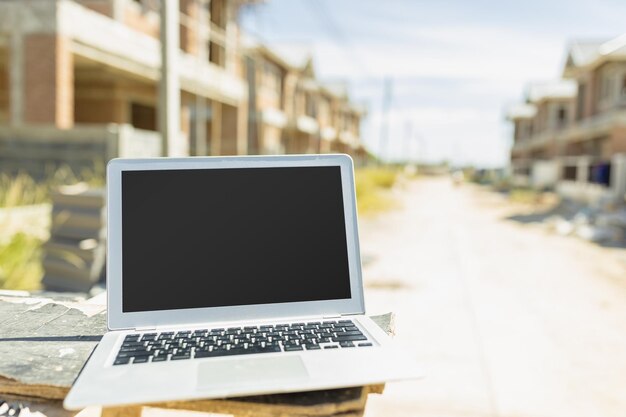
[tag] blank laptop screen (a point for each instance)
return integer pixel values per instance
(239, 236)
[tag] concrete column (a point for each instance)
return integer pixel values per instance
(169, 83)
(230, 57)
(201, 38)
(16, 79)
(582, 170)
(618, 175)
(200, 125)
(242, 128)
(216, 128)
(118, 10)
(183, 146)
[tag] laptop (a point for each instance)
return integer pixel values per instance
(233, 276)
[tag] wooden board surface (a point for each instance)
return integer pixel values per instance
(46, 339)
(44, 343)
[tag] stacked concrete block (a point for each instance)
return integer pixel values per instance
(74, 257)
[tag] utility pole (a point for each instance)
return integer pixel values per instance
(169, 83)
(408, 133)
(384, 122)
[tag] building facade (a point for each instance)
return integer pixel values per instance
(292, 112)
(572, 134)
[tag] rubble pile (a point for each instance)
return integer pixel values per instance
(601, 222)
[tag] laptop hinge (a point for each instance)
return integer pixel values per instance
(336, 316)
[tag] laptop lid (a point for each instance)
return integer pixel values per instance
(203, 239)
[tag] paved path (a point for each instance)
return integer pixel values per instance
(507, 319)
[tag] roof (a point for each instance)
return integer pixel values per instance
(298, 55)
(560, 89)
(614, 47)
(588, 53)
(521, 111)
(253, 45)
(336, 88)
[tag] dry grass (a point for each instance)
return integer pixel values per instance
(524, 196)
(373, 187)
(21, 190)
(20, 263)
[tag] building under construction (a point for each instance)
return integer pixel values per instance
(81, 82)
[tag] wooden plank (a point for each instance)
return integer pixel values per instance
(334, 402)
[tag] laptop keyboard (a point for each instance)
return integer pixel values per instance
(206, 343)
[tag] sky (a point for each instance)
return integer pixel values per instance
(453, 65)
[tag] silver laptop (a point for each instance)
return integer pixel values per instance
(232, 276)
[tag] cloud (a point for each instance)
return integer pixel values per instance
(451, 52)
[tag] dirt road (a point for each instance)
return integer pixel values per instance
(507, 319)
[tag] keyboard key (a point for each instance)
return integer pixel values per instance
(121, 361)
(291, 348)
(181, 355)
(137, 353)
(346, 344)
(349, 338)
(365, 344)
(331, 347)
(159, 358)
(141, 359)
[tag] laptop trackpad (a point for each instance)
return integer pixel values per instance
(242, 371)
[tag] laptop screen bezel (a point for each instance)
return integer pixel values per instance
(117, 319)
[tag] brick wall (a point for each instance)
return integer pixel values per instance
(49, 80)
(618, 140)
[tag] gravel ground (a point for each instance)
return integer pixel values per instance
(507, 319)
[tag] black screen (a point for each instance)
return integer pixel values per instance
(224, 237)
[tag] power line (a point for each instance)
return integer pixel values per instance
(325, 17)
